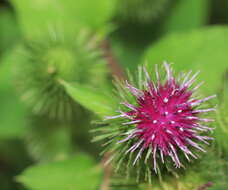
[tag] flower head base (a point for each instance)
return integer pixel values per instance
(162, 121)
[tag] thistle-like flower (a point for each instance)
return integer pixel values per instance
(161, 121)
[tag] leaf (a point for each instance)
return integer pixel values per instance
(12, 112)
(182, 17)
(48, 140)
(79, 172)
(93, 99)
(12, 115)
(204, 50)
(40, 16)
(9, 33)
(221, 132)
(127, 55)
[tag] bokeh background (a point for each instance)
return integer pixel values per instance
(45, 143)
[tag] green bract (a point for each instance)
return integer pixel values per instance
(44, 63)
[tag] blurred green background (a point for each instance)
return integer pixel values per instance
(45, 143)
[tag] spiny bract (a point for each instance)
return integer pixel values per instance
(55, 57)
(159, 120)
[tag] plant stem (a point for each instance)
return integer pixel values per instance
(107, 173)
(112, 61)
(205, 186)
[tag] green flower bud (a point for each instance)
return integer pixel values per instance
(43, 63)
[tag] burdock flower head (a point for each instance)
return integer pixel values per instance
(159, 123)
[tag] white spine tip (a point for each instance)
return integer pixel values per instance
(153, 136)
(155, 121)
(165, 100)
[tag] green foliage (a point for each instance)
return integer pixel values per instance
(80, 172)
(36, 17)
(221, 132)
(197, 50)
(12, 112)
(9, 33)
(48, 140)
(11, 108)
(129, 47)
(142, 11)
(93, 99)
(14, 158)
(128, 55)
(187, 15)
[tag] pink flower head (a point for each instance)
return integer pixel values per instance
(165, 118)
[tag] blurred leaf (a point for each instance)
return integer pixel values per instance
(40, 16)
(13, 159)
(79, 173)
(204, 50)
(127, 55)
(218, 12)
(94, 14)
(141, 11)
(92, 99)
(9, 33)
(187, 15)
(221, 132)
(48, 140)
(13, 155)
(12, 112)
